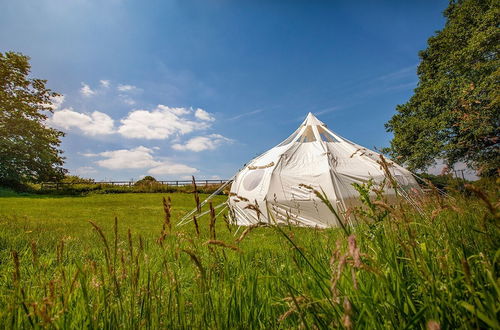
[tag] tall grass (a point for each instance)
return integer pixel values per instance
(396, 268)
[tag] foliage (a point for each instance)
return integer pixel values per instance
(147, 180)
(29, 149)
(454, 112)
(76, 179)
(82, 189)
(397, 269)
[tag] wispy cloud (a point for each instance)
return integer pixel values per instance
(318, 113)
(126, 88)
(200, 143)
(127, 99)
(246, 114)
(104, 88)
(105, 83)
(402, 73)
(403, 78)
(327, 110)
(86, 90)
(402, 86)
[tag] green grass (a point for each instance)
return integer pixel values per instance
(400, 269)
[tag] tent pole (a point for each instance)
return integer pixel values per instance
(201, 214)
(205, 201)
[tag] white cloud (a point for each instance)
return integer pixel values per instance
(176, 111)
(97, 123)
(84, 170)
(172, 168)
(127, 99)
(203, 115)
(141, 158)
(126, 88)
(56, 102)
(86, 90)
(159, 123)
(88, 154)
(200, 143)
(105, 83)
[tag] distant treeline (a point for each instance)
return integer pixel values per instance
(75, 185)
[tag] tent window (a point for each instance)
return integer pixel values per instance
(308, 135)
(325, 136)
(252, 179)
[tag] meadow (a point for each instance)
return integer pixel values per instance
(119, 261)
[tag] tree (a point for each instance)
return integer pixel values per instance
(147, 180)
(454, 112)
(29, 150)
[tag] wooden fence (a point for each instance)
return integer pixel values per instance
(168, 183)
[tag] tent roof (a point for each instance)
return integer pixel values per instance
(312, 120)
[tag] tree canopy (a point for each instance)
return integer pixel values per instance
(454, 112)
(29, 150)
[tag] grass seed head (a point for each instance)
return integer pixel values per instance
(17, 273)
(212, 222)
(196, 261)
(346, 318)
(247, 231)
(433, 325)
(197, 228)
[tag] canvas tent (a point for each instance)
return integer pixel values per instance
(276, 186)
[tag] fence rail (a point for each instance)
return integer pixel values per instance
(168, 183)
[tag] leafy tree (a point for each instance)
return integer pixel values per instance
(29, 150)
(454, 112)
(147, 180)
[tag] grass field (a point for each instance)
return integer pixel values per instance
(398, 269)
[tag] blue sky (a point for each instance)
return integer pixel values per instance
(175, 88)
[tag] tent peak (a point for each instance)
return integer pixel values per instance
(312, 120)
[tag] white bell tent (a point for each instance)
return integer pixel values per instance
(275, 187)
(278, 182)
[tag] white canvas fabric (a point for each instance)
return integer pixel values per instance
(271, 187)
